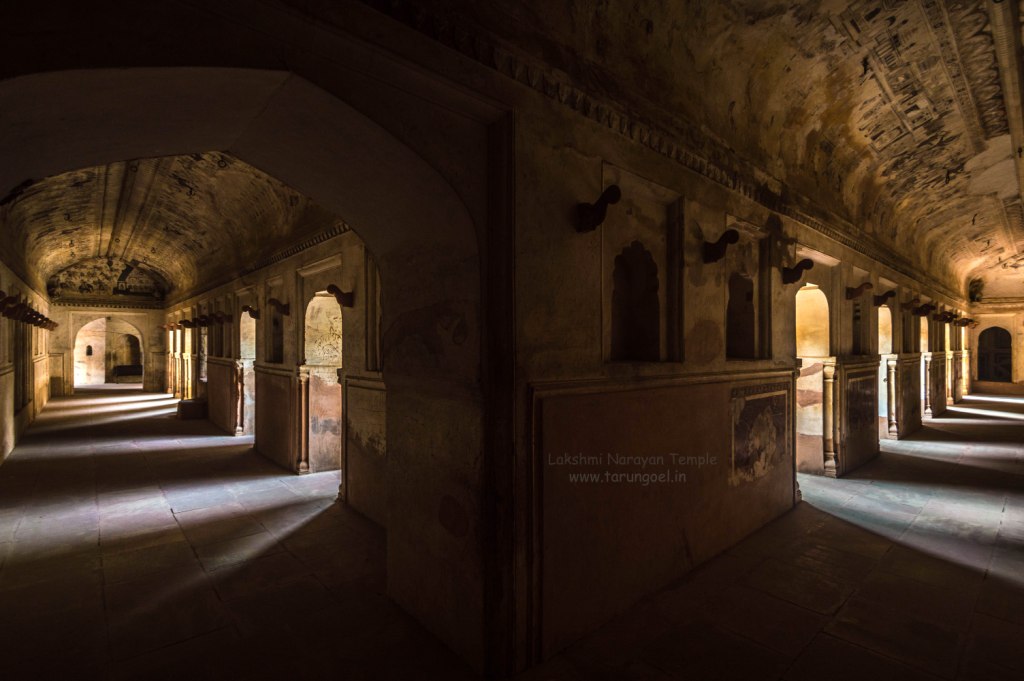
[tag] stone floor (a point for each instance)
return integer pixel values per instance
(135, 545)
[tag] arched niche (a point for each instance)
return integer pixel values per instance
(885, 344)
(636, 313)
(741, 319)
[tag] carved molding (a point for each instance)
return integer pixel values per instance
(674, 143)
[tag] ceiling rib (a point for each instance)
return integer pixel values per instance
(1008, 50)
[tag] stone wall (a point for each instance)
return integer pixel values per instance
(26, 360)
(566, 288)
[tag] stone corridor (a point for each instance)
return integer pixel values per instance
(135, 545)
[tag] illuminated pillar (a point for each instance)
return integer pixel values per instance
(239, 397)
(949, 377)
(890, 374)
(927, 359)
(304, 419)
(828, 417)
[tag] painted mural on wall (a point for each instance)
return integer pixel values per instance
(325, 428)
(910, 388)
(861, 402)
(760, 433)
(106, 278)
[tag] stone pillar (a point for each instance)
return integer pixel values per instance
(927, 380)
(172, 368)
(965, 373)
(303, 419)
(179, 375)
(828, 417)
(239, 397)
(891, 386)
(342, 496)
(190, 377)
(950, 377)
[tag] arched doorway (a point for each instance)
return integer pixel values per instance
(108, 351)
(813, 421)
(886, 391)
(926, 360)
(412, 219)
(995, 355)
(323, 356)
(245, 424)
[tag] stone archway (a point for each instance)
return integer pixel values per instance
(107, 350)
(815, 452)
(995, 355)
(322, 338)
(420, 232)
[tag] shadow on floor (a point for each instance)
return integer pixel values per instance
(134, 545)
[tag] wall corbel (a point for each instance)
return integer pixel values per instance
(715, 251)
(881, 299)
(282, 308)
(854, 292)
(791, 275)
(589, 216)
(344, 298)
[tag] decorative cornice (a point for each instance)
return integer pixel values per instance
(998, 305)
(339, 228)
(558, 86)
(103, 303)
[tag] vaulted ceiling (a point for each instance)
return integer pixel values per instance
(143, 230)
(899, 118)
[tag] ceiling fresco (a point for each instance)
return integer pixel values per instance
(150, 229)
(887, 116)
(100, 278)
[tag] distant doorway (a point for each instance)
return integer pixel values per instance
(108, 351)
(995, 355)
(885, 390)
(925, 366)
(246, 421)
(812, 348)
(323, 358)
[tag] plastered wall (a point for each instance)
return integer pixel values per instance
(690, 398)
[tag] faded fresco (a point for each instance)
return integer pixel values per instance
(760, 431)
(860, 401)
